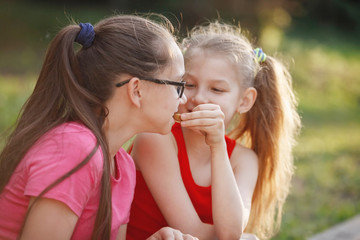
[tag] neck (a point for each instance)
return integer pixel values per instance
(117, 139)
(119, 132)
(196, 145)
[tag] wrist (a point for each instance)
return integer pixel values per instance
(221, 145)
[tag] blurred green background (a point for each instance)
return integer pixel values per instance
(318, 39)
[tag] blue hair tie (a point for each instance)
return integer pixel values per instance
(86, 35)
(260, 56)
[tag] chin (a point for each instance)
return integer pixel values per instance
(164, 128)
(168, 127)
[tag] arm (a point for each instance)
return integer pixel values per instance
(232, 182)
(156, 156)
(122, 232)
(232, 188)
(49, 219)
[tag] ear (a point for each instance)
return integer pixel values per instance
(134, 91)
(247, 100)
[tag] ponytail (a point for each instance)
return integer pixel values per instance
(74, 86)
(269, 128)
(59, 97)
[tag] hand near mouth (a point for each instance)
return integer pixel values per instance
(209, 120)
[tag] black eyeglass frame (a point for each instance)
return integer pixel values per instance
(159, 81)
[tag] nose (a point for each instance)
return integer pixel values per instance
(200, 97)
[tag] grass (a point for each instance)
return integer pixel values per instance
(14, 90)
(326, 185)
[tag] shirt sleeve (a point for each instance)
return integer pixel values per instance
(55, 155)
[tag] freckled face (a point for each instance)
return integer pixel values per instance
(211, 78)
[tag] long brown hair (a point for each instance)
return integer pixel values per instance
(75, 85)
(269, 127)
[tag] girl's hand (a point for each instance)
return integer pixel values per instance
(209, 120)
(168, 233)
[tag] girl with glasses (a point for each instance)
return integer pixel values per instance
(63, 172)
(206, 183)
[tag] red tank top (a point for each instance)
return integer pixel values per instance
(145, 215)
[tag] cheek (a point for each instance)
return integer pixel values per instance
(166, 93)
(168, 100)
(189, 93)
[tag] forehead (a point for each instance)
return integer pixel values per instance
(210, 65)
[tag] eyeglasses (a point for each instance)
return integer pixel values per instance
(179, 85)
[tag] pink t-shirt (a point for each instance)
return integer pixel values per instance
(53, 155)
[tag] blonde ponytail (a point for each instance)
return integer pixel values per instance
(269, 129)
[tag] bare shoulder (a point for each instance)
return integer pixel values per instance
(147, 141)
(244, 159)
(245, 165)
(153, 147)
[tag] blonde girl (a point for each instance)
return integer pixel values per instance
(203, 183)
(63, 172)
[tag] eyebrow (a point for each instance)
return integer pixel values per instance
(221, 80)
(189, 75)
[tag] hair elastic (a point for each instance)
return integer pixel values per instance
(86, 35)
(260, 56)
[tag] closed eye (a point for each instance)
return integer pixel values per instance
(189, 85)
(219, 90)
